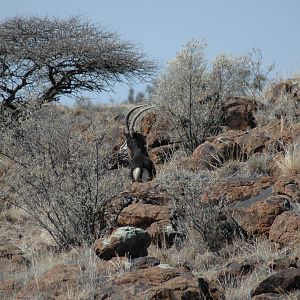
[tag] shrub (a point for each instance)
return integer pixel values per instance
(59, 175)
(191, 93)
(216, 228)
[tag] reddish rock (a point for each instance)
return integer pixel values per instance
(147, 192)
(289, 187)
(237, 190)
(279, 283)
(233, 144)
(286, 87)
(53, 284)
(124, 241)
(238, 113)
(142, 215)
(143, 263)
(162, 233)
(258, 218)
(286, 228)
(164, 153)
(142, 192)
(273, 296)
(283, 263)
(148, 122)
(252, 142)
(9, 288)
(206, 156)
(237, 267)
(158, 283)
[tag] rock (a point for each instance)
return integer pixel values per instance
(148, 121)
(53, 284)
(142, 215)
(258, 218)
(206, 156)
(289, 187)
(163, 233)
(286, 87)
(283, 263)
(232, 144)
(142, 263)
(130, 241)
(9, 288)
(286, 228)
(237, 268)
(238, 190)
(141, 192)
(281, 282)
(238, 113)
(148, 193)
(254, 141)
(158, 283)
(272, 296)
(164, 153)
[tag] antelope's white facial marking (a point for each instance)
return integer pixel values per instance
(136, 174)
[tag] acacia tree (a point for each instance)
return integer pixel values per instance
(43, 58)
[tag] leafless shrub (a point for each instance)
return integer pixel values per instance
(192, 93)
(59, 175)
(216, 228)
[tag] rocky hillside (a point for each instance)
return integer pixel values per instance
(220, 223)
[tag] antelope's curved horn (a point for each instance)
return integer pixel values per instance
(137, 115)
(128, 115)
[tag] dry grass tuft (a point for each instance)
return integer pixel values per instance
(289, 164)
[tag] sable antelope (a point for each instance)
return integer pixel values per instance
(142, 167)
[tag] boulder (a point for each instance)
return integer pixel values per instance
(283, 263)
(278, 283)
(230, 145)
(286, 228)
(286, 87)
(272, 296)
(9, 288)
(143, 263)
(163, 153)
(124, 241)
(237, 268)
(53, 284)
(239, 192)
(158, 283)
(143, 215)
(238, 113)
(258, 218)
(289, 187)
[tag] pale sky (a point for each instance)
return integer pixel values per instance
(162, 27)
